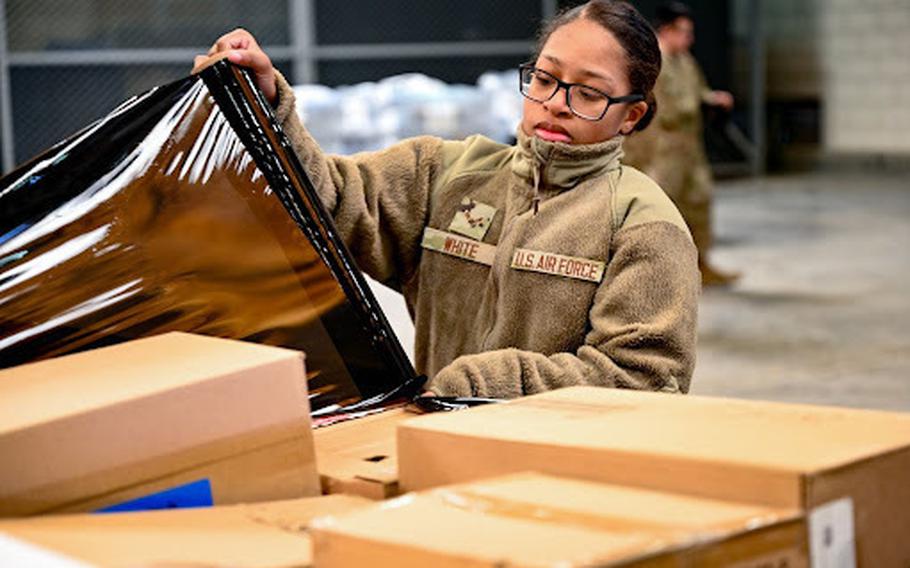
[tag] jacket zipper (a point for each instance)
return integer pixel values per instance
(538, 180)
(534, 207)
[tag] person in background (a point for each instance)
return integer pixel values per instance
(532, 266)
(672, 151)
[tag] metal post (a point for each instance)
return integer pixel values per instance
(6, 101)
(757, 80)
(549, 8)
(303, 39)
(428, 49)
(154, 56)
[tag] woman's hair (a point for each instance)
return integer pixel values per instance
(633, 33)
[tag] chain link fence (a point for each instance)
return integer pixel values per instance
(65, 63)
(405, 21)
(67, 25)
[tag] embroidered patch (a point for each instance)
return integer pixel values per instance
(558, 265)
(473, 219)
(447, 243)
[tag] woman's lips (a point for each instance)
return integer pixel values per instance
(552, 133)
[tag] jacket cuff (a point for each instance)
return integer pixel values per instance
(286, 102)
(451, 381)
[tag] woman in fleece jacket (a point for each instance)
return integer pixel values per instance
(527, 267)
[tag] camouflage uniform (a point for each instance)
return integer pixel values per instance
(671, 151)
(527, 267)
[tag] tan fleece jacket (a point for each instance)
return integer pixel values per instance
(508, 301)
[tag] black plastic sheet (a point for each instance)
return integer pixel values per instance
(185, 209)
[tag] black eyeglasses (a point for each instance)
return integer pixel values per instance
(584, 101)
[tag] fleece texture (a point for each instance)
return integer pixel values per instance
(499, 331)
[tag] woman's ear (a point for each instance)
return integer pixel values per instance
(634, 113)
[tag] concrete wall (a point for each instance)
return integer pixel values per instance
(866, 79)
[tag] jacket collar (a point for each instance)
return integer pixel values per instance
(562, 165)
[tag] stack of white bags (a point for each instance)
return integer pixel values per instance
(372, 116)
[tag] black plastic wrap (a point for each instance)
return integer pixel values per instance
(185, 209)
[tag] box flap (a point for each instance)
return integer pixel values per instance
(536, 520)
(774, 436)
(619, 507)
(428, 522)
(264, 534)
(360, 449)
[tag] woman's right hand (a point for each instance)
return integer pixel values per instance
(240, 47)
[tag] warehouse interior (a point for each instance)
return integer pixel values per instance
(811, 212)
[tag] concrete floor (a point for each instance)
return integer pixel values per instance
(822, 312)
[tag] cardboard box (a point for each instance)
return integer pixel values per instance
(535, 520)
(203, 420)
(263, 535)
(359, 457)
(847, 468)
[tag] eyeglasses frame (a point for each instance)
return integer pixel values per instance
(560, 84)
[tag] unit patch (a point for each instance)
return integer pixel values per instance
(473, 219)
(558, 265)
(455, 245)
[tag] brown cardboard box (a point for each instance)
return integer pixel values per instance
(535, 520)
(849, 469)
(263, 534)
(359, 457)
(227, 418)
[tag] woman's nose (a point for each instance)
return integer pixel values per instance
(559, 102)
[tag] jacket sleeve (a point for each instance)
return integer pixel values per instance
(379, 200)
(704, 89)
(642, 328)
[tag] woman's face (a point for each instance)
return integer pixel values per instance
(582, 52)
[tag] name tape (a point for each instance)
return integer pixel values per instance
(454, 245)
